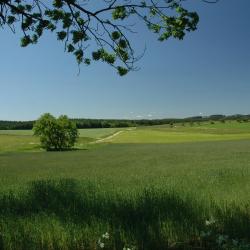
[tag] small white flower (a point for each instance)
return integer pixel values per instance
(106, 235)
(207, 222)
(102, 245)
(210, 222)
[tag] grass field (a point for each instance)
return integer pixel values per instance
(23, 140)
(92, 133)
(149, 188)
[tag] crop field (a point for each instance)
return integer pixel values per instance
(184, 186)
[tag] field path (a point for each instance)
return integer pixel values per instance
(110, 137)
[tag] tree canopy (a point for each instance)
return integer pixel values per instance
(98, 31)
(56, 134)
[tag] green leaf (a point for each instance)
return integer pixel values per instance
(116, 35)
(25, 41)
(58, 3)
(123, 43)
(61, 35)
(78, 36)
(79, 55)
(11, 20)
(122, 71)
(71, 48)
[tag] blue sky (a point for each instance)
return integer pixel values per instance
(206, 73)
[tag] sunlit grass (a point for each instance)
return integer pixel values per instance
(92, 133)
(149, 195)
(23, 140)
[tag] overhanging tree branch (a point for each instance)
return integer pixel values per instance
(78, 25)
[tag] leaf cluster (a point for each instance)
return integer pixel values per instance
(101, 34)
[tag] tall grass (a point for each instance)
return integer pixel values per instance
(70, 214)
(151, 196)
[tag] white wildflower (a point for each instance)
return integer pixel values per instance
(101, 244)
(210, 222)
(207, 222)
(106, 235)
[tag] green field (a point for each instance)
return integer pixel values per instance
(149, 187)
(23, 140)
(93, 133)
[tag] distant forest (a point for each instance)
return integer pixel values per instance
(116, 123)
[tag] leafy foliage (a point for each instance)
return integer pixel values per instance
(97, 33)
(56, 134)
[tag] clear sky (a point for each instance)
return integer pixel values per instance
(206, 73)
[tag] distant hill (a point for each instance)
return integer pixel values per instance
(116, 123)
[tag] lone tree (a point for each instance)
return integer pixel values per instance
(98, 31)
(56, 134)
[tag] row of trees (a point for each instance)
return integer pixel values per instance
(17, 125)
(116, 123)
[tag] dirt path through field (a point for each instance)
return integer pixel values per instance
(110, 137)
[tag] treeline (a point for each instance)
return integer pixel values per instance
(92, 123)
(116, 123)
(112, 123)
(221, 118)
(17, 125)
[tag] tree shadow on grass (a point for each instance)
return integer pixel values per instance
(65, 149)
(144, 215)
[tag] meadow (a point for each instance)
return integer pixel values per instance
(184, 186)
